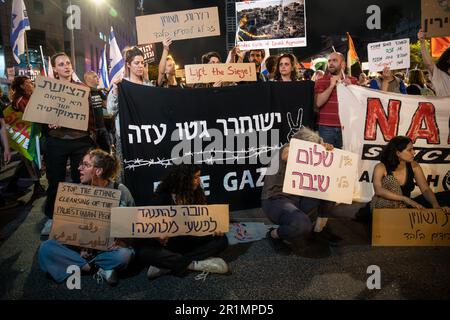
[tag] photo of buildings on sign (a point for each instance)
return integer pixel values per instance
(271, 23)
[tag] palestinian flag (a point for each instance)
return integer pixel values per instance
(439, 45)
(353, 62)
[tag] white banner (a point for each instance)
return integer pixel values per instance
(371, 118)
(313, 172)
(394, 54)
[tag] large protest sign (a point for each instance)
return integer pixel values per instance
(178, 25)
(169, 221)
(82, 215)
(271, 24)
(149, 52)
(371, 118)
(410, 227)
(56, 102)
(394, 54)
(231, 72)
(436, 18)
(230, 132)
(313, 172)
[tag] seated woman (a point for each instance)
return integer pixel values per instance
(396, 176)
(290, 211)
(97, 169)
(179, 254)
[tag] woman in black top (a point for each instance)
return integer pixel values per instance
(178, 254)
(396, 176)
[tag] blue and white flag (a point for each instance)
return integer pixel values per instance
(103, 70)
(115, 55)
(19, 24)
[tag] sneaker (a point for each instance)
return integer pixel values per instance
(154, 272)
(278, 245)
(212, 265)
(109, 275)
(47, 228)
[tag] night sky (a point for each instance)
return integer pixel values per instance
(325, 18)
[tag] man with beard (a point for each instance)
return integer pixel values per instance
(257, 57)
(326, 99)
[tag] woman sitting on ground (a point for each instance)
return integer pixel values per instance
(98, 169)
(396, 176)
(178, 254)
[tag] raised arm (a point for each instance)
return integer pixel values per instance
(427, 59)
(162, 64)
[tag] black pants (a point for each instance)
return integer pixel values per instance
(179, 252)
(58, 151)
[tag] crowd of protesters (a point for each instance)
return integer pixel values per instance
(95, 158)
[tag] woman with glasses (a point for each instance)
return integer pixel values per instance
(98, 169)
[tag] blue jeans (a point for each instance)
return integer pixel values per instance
(331, 135)
(55, 258)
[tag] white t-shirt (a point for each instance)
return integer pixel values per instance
(441, 82)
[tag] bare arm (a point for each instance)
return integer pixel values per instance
(162, 64)
(427, 59)
(424, 186)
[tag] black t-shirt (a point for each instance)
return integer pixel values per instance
(97, 98)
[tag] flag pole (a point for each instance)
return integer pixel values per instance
(43, 62)
(27, 53)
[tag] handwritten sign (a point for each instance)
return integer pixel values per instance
(231, 72)
(169, 221)
(436, 18)
(316, 173)
(82, 215)
(149, 52)
(56, 102)
(410, 227)
(394, 54)
(178, 25)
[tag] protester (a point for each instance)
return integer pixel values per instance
(257, 57)
(363, 80)
(22, 88)
(397, 175)
(289, 212)
(98, 101)
(327, 101)
(417, 84)
(4, 100)
(134, 73)
(97, 169)
(271, 67)
(211, 58)
(308, 74)
(6, 157)
(286, 70)
(179, 254)
(440, 71)
(167, 68)
(62, 144)
(387, 82)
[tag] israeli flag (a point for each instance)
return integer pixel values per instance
(19, 24)
(115, 55)
(103, 70)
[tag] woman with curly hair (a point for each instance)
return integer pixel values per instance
(99, 169)
(396, 176)
(178, 254)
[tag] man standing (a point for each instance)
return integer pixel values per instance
(257, 57)
(98, 100)
(327, 101)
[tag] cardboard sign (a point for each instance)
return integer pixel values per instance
(149, 52)
(56, 102)
(231, 72)
(395, 54)
(410, 227)
(178, 25)
(169, 221)
(82, 215)
(436, 18)
(316, 173)
(265, 24)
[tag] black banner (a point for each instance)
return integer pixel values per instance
(230, 132)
